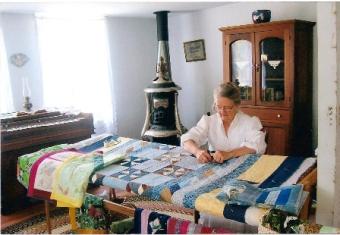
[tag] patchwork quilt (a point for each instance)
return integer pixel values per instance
(149, 222)
(164, 172)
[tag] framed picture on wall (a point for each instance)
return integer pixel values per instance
(194, 50)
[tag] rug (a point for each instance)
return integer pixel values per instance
(37, 224)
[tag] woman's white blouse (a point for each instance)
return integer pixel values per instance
(243, 131)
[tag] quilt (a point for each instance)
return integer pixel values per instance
(149, 222)
(169, 173)
(175, 176)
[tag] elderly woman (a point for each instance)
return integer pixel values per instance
(229, 132)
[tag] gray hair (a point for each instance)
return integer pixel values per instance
(228, 90)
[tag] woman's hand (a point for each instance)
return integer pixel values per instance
(221, 156)
(203, 156)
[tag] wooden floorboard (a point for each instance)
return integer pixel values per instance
(19, 216)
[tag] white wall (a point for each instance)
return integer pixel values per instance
(328, 186)
(336, 219)
(20, 36)
(133, 45)
(198, 79)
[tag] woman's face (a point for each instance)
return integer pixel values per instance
(226, 108)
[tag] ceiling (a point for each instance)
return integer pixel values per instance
(106, 8)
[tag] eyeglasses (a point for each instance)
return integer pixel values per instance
(223, 108)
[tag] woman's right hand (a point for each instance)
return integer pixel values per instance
(203, 156)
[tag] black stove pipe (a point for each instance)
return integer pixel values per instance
(162, 25)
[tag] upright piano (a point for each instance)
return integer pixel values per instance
(23, 133)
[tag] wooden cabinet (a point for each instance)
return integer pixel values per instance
(272, 64)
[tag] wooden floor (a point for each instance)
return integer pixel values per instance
(17, 217)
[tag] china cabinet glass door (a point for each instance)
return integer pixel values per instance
(271, 68)
(241, 66)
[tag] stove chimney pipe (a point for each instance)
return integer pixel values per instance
(162, 123)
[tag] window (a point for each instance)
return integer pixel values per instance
(76, 68)
(5, 85)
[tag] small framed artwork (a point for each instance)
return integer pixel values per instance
(194, 50)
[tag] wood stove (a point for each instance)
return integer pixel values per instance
(162, 122)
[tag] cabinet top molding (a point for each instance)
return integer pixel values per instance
(269, 24)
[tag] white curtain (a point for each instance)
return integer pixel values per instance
(76, 68)
(5, 84)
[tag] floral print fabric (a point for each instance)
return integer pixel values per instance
(42, 172)
(282, 222)
(26, 161)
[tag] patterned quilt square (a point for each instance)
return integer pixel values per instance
(189, 162)
(171, 157)
(174, 171)
(109, 170)
(132, 161)
(129, 174)
(137, 159)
